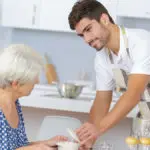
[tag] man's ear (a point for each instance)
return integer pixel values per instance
(104, 19)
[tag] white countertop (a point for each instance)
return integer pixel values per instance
(51, 100)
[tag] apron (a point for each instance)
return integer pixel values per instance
(120, 76)
(121, 79)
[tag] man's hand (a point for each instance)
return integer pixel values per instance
(87, 133)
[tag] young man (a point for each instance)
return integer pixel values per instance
(118, 49)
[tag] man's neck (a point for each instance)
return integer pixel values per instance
(114, 40)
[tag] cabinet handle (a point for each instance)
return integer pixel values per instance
(33, 20)
(34, 14)
(147, 13)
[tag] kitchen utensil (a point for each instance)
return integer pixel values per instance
(69, 90)
(73, 135)
(50, 70)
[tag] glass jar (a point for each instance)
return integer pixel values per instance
(140, 127)
(144, 144)
(132, 143)
(103, 146)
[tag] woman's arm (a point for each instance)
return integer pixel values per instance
(37, 147)
(51, 142)
(44, 145)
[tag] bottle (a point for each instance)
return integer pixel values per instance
(132, 143)
(50, 71)
(144, 143)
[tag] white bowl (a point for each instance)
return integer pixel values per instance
(68, 146)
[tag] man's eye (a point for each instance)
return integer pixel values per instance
(88, 29)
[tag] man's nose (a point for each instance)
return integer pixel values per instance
(87, 39)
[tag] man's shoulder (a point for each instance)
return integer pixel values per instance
(139, 42)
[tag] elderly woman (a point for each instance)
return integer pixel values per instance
(20, 67)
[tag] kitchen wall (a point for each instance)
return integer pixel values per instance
(5, 36)
(70, 55)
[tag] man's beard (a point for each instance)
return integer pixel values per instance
(99, 49)
(103, 45)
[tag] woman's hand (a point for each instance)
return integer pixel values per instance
(53, 141)
(40, 146)
(43, 147)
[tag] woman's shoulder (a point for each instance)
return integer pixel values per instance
(2, 119)
(2, 107)
(1, 113)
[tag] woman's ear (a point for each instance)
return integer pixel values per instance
(15, 85)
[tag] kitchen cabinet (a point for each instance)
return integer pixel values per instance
(54, 16)
(134, 8)
(43, 14)
(20, 13)
(37, 14)
(111, 6)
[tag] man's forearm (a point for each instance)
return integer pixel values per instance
(126, 103)
(97, 114)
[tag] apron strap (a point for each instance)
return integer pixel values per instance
(125, 42)
(125, 77)
(110, 56)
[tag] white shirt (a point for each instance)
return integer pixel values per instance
(137, 63)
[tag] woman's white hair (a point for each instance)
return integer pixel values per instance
(20, 63)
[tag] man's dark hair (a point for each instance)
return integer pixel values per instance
(91, 9)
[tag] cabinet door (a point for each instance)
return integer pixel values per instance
(111, 6)
(134, 8)
(54, 15)
(19, 13)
